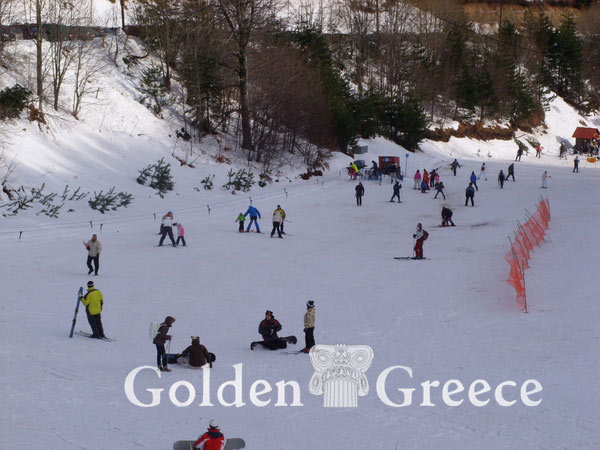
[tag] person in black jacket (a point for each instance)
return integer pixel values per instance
(501, 179)
(360, 191)
(440, 189)
(397, 187)
(470, 194)
(268, 329)
(159, 340)
(511, 172)
(447, 217)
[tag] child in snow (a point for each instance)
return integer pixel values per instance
(545, 177)
(241, 218)
(180, 233)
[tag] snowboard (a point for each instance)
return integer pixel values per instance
(406, 258)
(288, 339)
(230, 444)
(89, 335)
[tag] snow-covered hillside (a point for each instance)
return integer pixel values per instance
(450, 317)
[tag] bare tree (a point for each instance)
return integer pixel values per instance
(243, 18)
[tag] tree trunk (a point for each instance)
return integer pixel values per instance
(38, 45)
(123, 14)
(244, 102)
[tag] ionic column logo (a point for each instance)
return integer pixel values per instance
(340, 373)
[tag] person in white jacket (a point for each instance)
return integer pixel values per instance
(545, 177)
(309, 327)
(277, 220)
(482, 173)
(167, 229)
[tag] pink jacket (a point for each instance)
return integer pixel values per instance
(417, 175)
(180, 229)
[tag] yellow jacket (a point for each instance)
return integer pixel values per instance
(93, 300)
(309, 318)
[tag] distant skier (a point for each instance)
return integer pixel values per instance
(439, 189)
(538, 151)
(545, 177)
(180, 233)
(167, 229)
(417, 180)
(94, 248)
(195, 356)
(432, 178)
(254, 215)
(282, 212)
(470, 194)
(277, 220)
(359, 192)
(426, 177)
(576, 164)
(268, 329)
(240, 219)
(473, 180)
(213, 439)
(511, 172)
(454, 165)
(562, 151)
(93, 301)
(519, 154)
(309, 326)
(160, 340)
(424, 186)
(397, 187)
(501, 179)
(482, 173)
(447, 217)
(420, 236)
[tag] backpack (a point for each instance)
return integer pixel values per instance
(153, 332)
(425, 235)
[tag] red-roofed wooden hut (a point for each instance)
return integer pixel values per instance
(585, 134)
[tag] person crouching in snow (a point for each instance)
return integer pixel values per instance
(213, 439)
(195, 356)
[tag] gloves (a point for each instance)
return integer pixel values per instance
(210, 365)
(414, 236)
(304, 330)
(168, 337)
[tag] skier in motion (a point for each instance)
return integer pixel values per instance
(397, 187)
(254, 215)
(360, 191)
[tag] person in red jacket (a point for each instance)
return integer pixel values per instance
(213, 439)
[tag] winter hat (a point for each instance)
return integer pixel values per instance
(310, 304)
(213, 424)
(90, 283)
(196, 338)
(269, 313)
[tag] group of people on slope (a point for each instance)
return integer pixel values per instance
(254, 213)
(166, 229)
(269, 328)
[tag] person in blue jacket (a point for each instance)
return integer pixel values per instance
(254, 214)
(474, 180)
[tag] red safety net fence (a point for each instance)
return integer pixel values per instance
(529, 235)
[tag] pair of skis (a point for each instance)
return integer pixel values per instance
(83, 333)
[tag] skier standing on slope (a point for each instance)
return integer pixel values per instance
(268, 329)
(545, 177)
(417, 180)
(511, 172)
(309, 326)
(397, 187)
(93, 301)
(473, 180)
(213, 439)
(240, 219)
(420, 235)
(538, 151)
(94, 248)
(432, 178)
(282, 212)
(180, 233)
(359, 192)
(482, 173)
(447, 217)
(426, 177)
(254, 215)
(167, 229)
(277, 220)
(160, 340)
(519, 154)
(454, 165)
(469, 194)
(501, 179)
(440, 189)
(576, 164)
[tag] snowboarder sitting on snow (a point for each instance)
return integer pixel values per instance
(420, 235)
(195, 356)
(240, 219)
(161, 338)
(213, 439)
(447, 217)
(268, 329)
(254, 214)
(93, 301)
